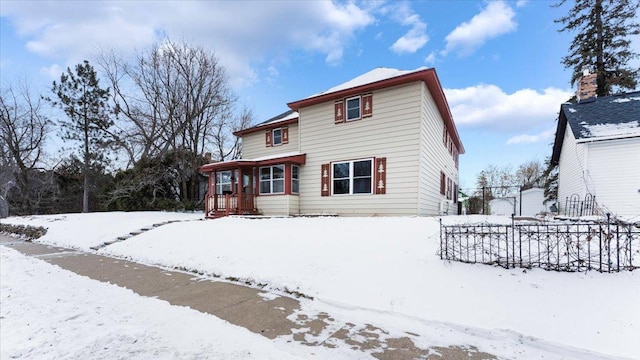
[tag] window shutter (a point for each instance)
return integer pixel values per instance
(268, 138)
(443, 183)
(285, 135)
(325, 180)
(367, 105)
(380, 176)
(455, 193)
(339, 112)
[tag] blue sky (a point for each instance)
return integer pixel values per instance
(498, 61)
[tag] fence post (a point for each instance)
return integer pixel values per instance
(441, 249)
(608, 240)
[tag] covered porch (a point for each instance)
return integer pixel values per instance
(233, 186)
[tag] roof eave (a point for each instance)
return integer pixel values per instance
(258, 128)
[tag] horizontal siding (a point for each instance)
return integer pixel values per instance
(434, 158)
(278, 204)
(392, 132)
(614, 175)
(570, 169)
(254, 146)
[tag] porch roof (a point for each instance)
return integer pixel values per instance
(293, 158)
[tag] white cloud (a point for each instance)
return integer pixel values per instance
(489, 107)
(52, 72)
(430, 59)
(496, 19)
(416, 37)
(531, 139)
(241, 34)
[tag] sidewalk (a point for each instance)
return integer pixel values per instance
(239, 305)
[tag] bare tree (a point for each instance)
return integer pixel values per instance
(23, 128)
(530, 174)
(174, 96)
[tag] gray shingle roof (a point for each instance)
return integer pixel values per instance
(609, 116)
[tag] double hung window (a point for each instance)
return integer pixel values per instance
(352, 177)
(295, 179)
(353, 108)
(277, 136)
(272, 179)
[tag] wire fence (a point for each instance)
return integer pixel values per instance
(605, 246)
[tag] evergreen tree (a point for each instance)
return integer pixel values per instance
(602, 28)
(88, 118)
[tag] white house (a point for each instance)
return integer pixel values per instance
(528, 202)
(383, 143)
(597, 150)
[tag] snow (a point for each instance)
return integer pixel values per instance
(372, 76)
(382, 271)
(50, 313)
(623, 100)
(631, 128)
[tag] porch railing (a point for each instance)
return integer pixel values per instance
(228, 204)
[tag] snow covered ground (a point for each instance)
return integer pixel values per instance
(384, 271)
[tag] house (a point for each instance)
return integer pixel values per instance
(383, 143)
(528, 202)
(597, 150)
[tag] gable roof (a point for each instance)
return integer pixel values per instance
(599, 119)
(287, 117)
(380, 78)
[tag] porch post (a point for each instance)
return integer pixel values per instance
(214, 189)
(239, 191)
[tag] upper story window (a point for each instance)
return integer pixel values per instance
(352, 177)
(277, 136)
(353, 108)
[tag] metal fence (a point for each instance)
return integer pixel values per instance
(575, 246)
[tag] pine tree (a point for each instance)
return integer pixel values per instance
(603, 28)
(88, 118)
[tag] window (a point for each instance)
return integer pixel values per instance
(443, 183)
(223, 182)
(352, 177)
(277, 137)
(449, 189)
(272, 179)
(353, 108)
(295, 179)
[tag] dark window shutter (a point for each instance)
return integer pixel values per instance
(339, 112)
(455, 193)
(285, 135)
(380, 170)
(325, 180)
(443, 183)
(367, 105)
(268, 138)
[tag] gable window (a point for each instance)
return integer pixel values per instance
(223, 182)
(352, 177)
(272, 179)
(353, 108)
(295, 179)
(277, 137)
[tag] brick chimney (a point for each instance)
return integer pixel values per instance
(587, 86)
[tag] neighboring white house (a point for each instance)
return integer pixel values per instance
(597, 149)
(383, 143)
(528, 202)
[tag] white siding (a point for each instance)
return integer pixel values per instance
(614, 175)
(392, 132)
(278, 204)
(434, 157)
(254, 146)
(570, 169)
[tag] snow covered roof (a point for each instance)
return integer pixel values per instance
(375, 75)
(604, 118)
(286, 117)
